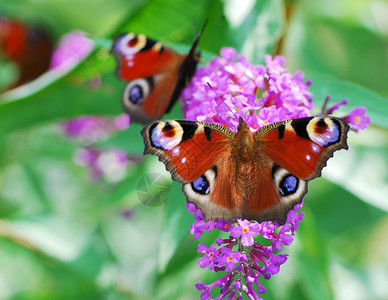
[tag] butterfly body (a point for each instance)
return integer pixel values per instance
(258, 176)
(155, 73)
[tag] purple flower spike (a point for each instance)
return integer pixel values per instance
(73, 47)
(261, 95)
(111, 164)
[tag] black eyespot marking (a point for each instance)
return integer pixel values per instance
(320, 126)
(188, 128)
(300, 127)
(149, 44)
(168, 130)
(215, 170)
(133, 41)
(274, 169)
(281, 130)
(138, 90)
(167, 127)
(288, 185)
(208, 133)
(161, 50)
(154, 142)
(201, 185)
(321, 123)
(136, 94)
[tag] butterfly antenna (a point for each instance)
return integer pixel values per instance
(237, 118)
(324, 106)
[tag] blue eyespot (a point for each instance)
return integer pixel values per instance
(288, 185)
(136, 94)
(201, 185)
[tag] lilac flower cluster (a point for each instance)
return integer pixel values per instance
(110, 164)
(229, 87)
(244, 259)
(221, 92)
(89, 129)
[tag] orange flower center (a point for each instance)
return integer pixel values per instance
(245, 229)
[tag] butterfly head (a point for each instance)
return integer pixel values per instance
(242, 125)
(244, 142)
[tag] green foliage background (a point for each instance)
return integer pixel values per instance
(63, 236)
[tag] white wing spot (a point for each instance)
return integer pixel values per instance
(315, 148)
(183, 160)
(308, 157)
(175, 151)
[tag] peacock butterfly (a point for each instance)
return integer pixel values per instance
(258, 176)
(156, 74)
(30, 47)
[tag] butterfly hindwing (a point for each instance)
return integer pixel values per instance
(145, 97)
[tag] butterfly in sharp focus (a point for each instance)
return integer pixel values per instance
(257, 176)
(30, 47)
(156, 74)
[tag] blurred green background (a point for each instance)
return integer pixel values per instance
(66, 236)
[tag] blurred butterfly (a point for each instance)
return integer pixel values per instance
(156, 74)
(28, 46)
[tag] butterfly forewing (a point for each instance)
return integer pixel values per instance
(187, 148)
(303, 146)
(140, 57)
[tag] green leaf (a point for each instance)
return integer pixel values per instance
(377, 106)
(177, 221)
(60, 100)
(260, 30)
(175, 19)
(313, 262)
(332, 44)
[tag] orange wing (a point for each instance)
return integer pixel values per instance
(303, 146)
(138, 57)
